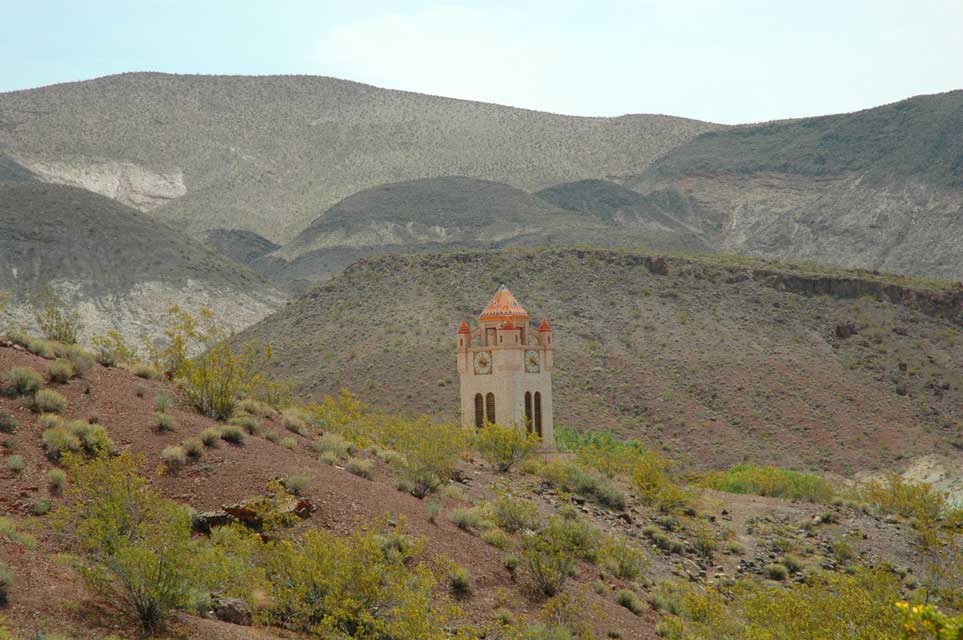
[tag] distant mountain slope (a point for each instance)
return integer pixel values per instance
(880, 188)
(267, 154)
(455, 212)
(122, 268)
(431, 214)
(243, 246)
(662, 214)
(718, 359)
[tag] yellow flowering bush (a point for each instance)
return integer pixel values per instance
(927, 622)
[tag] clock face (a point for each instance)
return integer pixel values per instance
(531, 361)
(483, 363)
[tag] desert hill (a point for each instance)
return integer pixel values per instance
(880, 188)
(267, 154)
(121, 268)
(716, 359)
(244, 246)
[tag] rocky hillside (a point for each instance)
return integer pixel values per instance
(878, 189)
(716, 359)
(267, 154)
(120, 268)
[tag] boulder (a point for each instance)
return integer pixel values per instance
(231, 610)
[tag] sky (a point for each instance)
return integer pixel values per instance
(724, 61)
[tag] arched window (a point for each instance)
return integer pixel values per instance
(538, 413)
(490, 407)
(479, 410)
(528, 411)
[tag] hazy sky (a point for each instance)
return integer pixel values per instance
(733, 61)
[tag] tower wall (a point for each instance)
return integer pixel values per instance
(508, 379)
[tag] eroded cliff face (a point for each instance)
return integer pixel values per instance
(131, 184)
(900, 226)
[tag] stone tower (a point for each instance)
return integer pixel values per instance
(505, 367)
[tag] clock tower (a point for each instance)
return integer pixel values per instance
(505, 367)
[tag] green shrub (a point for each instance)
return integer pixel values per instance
(467, 519)
(359, 467)
(514, 514)
(50, 421)
(7, 423)
(58, 441)
(111, 350)
(655, 486)
(6, 585)
(574, 478)
(60, 371)
(41, 507)
(55, 321)
(174, 457)
(93, 438)
(433, 509)
(248, 423)
(776, 571)
(289, 443)
(296, 482)
(460, 580)
(842, 551)
(22, 381)
(133, 546)
(9, 531)
(163, 422)
(221, 375)
(511, 563)
(329, 457)
(162, 403)
(334, 443)
(496, 538)
(547, 565)
(16, 463)
(193, 448)
(49, 401)
(792, 563)
(622, 560)
(233, 434)
(430, 451)
(271, 436)
(56, 479)
(81, 361)
(771, 481)
(898, 496)
(210, 436)
(145, 371)
(573, 536)
(735, 548)
(293, 423)
(504, 447)
(630, 601)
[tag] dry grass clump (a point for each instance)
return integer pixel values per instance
(60, 371)
(48, 401)
(21, 381)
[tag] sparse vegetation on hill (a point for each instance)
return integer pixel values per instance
(714, 360)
